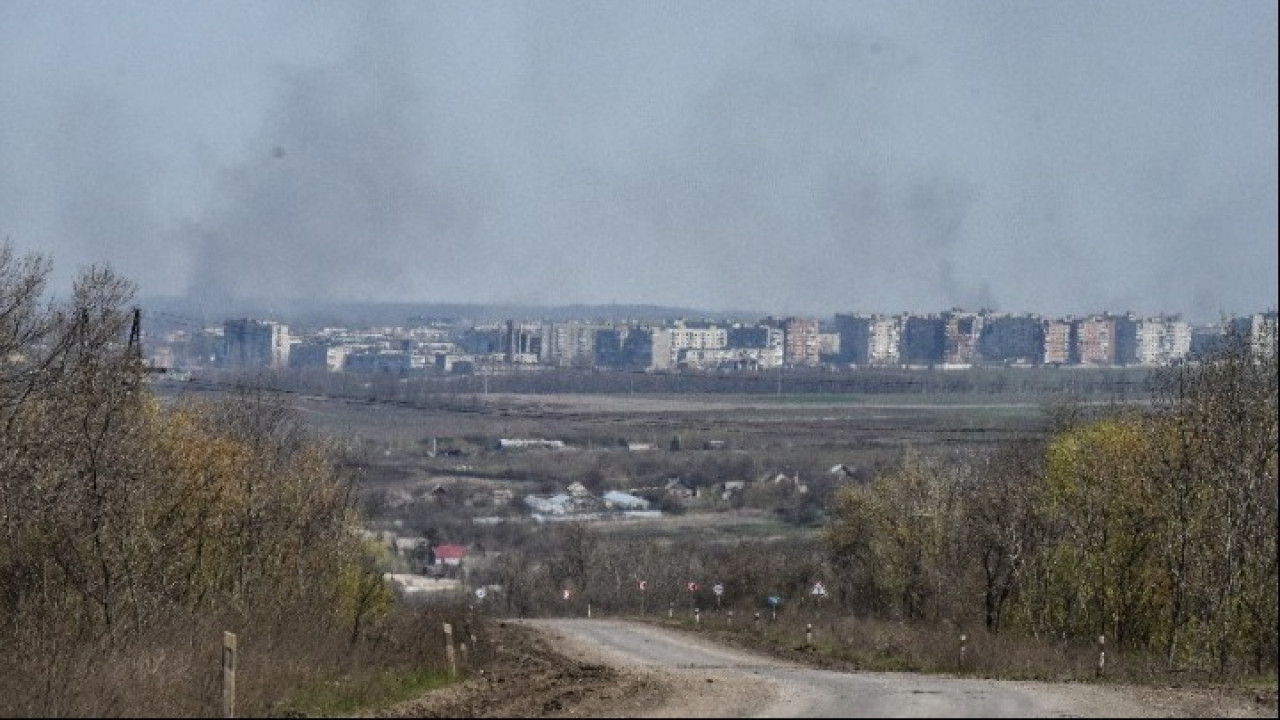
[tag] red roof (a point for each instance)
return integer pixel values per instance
(450, 552)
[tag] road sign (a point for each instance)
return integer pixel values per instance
(644, 586)
(818, 589)
(567, 594)
(693, 587)
(479, 593)
(774, 601)
(718, 589)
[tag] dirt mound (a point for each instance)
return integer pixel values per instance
(527, 678)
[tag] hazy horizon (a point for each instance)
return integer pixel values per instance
(793, 158)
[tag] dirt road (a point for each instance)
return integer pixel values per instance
(611, 668)
(732, 683)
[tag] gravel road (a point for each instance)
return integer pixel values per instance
(708, 680)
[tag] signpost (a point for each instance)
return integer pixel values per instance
(718, 589)
(228, 674)
(774, 602)
(819, 590)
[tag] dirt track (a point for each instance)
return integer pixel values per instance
(602, 668)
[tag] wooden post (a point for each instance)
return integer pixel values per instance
(1102, 654)
(228, 674)
(448, 651)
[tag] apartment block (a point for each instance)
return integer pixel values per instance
(1016, 340)
(681, 337)
(627, 348)
(757, 337)
(924, 339)
(1060, 342)
(255, 344)
(1095, 340)
(1162, 340)
(855, 338)
(800, 342)
(961, 333)
(884, 347)
(571, 344)
(1262, 333)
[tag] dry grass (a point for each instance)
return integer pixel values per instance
(286, 667)
(843, 642)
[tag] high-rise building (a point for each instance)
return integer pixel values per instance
(255, 344)
(1162, 340)
(855, 338)
(571, 344)
(1017, 339)
(1095, 340)
(1060, 342)
(924, 339)
(961, 333)
(1126, 339)
(800, 342)
(1262, 333)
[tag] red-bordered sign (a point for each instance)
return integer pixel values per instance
(693, 587)
(644, 586)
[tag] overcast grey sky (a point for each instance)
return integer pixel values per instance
(791, 157)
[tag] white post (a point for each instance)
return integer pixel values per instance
(228, 674)
(697, 616)
(448, 651)
(1102, 654)
(962, 641)
(808, 633)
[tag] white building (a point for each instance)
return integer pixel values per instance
(885, 345)
(1162, 340)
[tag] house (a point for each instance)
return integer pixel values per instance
(615, 500)
(559, 504)
(409, 545)
(783, 479)
(448, 555)
(679, 488)
(521, 443)
(729, 487)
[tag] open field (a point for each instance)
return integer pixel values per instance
(586, 420)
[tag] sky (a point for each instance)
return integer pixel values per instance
(794, 157)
